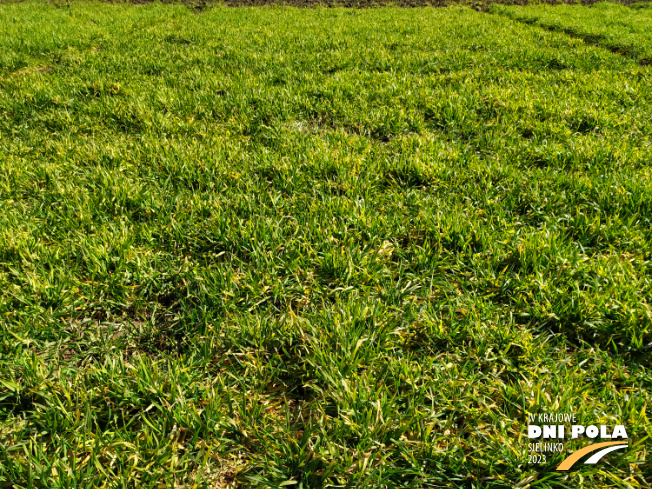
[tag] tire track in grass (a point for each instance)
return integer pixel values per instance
(598, 40)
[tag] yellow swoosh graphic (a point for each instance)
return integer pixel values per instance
(569, 461)
(595, 458)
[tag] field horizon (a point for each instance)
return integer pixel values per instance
(204, 5)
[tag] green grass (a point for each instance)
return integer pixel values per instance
(317, 247)
(625, 30)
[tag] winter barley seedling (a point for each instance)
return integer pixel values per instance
(317, 248)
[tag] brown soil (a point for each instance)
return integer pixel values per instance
(477, 4)
(200, 5)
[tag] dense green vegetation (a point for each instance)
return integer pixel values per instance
(307, 248)
(624, 30)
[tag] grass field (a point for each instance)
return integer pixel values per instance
(623, 30)
(272, 247)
